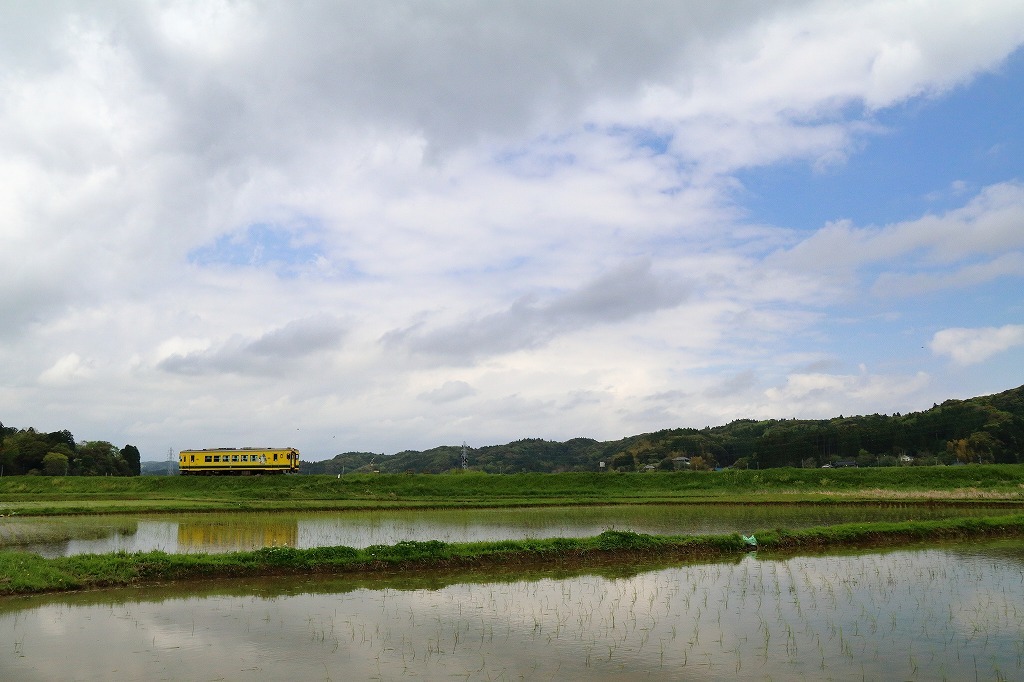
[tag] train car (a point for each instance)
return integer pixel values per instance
(238, 461)
(236, 536)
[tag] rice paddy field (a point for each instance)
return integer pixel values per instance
(948, 612)
(220, 532)
(853, 577)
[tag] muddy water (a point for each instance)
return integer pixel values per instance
(951, 612)
(53, 537)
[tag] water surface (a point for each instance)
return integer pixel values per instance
(953, 612)
(220, 532)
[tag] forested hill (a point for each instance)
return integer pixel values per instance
(27, 451)
(987, 429)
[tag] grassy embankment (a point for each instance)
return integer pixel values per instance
(28, 573)
(85, 495)
(22, 573)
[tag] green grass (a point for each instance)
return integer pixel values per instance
(20, 572)
(27, 573)
(39, 495)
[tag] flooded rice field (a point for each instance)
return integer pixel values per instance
(220, 532)
(953, 612)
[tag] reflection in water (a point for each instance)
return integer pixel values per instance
(945, 613)
(64, 536)
(194, 536)
(224, 532)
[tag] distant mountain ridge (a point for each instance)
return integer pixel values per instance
(986, 429)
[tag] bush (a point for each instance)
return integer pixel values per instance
(623, 539)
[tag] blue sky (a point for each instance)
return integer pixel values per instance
(382, 226)
(903, 170)
(283, 248)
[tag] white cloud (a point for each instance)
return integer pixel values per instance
(448, 391)
(972, 346)
(628, 291)
(965, 246)
(275, 352)
(68, 368)
(224, 230)
(891, 284)
(827, 395)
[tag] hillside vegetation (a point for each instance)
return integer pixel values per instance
(983, 430)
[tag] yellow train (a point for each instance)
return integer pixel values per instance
(238, 461)
(237, 535)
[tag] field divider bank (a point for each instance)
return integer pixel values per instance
(23, 573)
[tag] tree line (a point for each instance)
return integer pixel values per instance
(987, 430)
(31, 452)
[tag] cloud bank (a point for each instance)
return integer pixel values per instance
(391, 225)
(972, 346)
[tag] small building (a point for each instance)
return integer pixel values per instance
(681, 462)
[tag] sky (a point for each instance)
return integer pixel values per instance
(350, 226)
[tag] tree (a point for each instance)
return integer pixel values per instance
(7, 459)
(623, 462)
(982, 447)
(99, 458)
(130, 454)
(29, 450)
(62, 438)
(55, 464)
(866, 459)
(698, 463)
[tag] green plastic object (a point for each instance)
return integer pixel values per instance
(749, 539)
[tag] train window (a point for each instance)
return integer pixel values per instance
(234, 458)
(275, 456)
(216, 458)
(245, 458)
(208, 458)
(193, 458)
